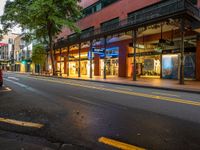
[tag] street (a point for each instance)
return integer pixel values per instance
(87, 114)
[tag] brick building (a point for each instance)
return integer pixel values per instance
(126, 38)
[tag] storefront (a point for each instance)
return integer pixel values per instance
(84, 65)
(165, 65)
(112, 61)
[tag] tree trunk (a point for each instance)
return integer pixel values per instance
(51, 49)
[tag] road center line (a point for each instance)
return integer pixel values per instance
(117, 144)
(153, 97)
(165, 94)
(21, 123)
(84, 100)
(120, 88)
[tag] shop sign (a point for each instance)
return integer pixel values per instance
(98, 50)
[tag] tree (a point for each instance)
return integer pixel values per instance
(39, 55)
(45, 17)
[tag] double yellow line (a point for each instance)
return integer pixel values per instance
(154, 97)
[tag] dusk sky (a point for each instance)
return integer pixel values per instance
(2, 3)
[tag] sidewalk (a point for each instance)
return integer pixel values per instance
(166, 84)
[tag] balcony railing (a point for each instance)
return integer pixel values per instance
(158, 10)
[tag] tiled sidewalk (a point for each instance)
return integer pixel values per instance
(190, 85)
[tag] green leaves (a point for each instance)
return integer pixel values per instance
(44, 18)
(41, 15)
(39, 54)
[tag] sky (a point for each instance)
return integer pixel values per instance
(2, 3)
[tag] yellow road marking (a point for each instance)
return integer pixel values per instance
(21, 123)
(119, 145)
(165, 94)
(154, 97)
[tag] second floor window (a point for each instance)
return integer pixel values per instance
(111, 24)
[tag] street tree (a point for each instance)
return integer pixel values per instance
(39, 55)
(46, 18)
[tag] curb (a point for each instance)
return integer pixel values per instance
(126, 84)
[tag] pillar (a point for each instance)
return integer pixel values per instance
(79, 60)
(68, 51)
(105, 59)
(122, 59)
(65, 65)
(134, 36)
(91, 43)
(96, 65)
(182, 47)
(197, 59)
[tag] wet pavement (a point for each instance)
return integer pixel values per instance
(77, 113)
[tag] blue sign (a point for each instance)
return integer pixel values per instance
(98, 50)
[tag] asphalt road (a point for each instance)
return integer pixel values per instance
(80, 113)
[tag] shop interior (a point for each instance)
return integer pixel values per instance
(158, 52)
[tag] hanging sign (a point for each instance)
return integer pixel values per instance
(98, 50)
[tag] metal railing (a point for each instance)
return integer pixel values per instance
(158, 10)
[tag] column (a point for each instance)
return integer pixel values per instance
(60, 62)
(134, 35)
(65, 65)
(182, 28)
(197, 59)
(68, 51)
(91, 43)
(105, 59)
(79, 60)
(96, 65)
(123, 51)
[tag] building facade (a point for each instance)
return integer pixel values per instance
(126, 38)
(22, 54)
(7, 51)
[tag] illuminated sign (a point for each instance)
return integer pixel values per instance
(98, 50)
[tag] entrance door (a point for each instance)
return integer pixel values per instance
(112, 67)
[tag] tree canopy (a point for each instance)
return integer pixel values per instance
(44, 18)
(39, 54)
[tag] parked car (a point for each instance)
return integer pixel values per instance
(1, 77)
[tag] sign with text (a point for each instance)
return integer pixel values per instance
(98, 50)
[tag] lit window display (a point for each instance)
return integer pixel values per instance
(170, 66)
(189, 66)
